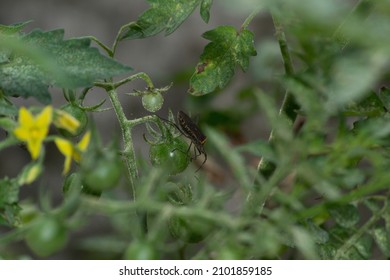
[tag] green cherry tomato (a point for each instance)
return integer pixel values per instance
(171, 155)
(141, 250)
(190, 230)
(152, 101)
(101, 170)
(46, 236)
(79, 115)
(103, 174)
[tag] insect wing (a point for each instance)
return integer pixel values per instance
(191, 129)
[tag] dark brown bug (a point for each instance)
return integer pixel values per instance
(192, 132)
(190, 129)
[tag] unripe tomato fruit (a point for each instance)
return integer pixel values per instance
(46, 236)
(101, 172)
(141, 250)
(152, 101)
(171, 155)
(190, 229)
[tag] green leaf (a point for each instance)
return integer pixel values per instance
(319, 235)
(372, 204)
(205, 9)
(9, 192)
(41, 59)
(9, 196)
(384, 95)
(327, 251)
(382, 238)
(345, 215)
(370, 106)
(375, 127)
(218, 61)
(352, 77)
(304, 242)
(7, 108)
(13, 28)
(363, 246)
(164, 15)
(10, 215)
(339, 235)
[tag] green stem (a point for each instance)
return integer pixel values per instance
(14, 235)
(110, 207)
(9, 141)
(126, 127)
(363, 8)
(128, 152)
(119, 37)
(145, 119)
(103, 46)
(251, 17)
(279, 33)
(289, 108)
(141, 75)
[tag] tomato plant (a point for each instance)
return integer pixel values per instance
(316, 188)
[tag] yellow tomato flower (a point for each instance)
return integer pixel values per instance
(70, 151)
(33, 130)
(66, 121)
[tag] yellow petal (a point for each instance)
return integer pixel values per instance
(25, 117)
(43, 120)
(77, 156)
(66, 121)
(67, 163)
(34, 147)
(83, 144)
(65, 147)
(21, 133)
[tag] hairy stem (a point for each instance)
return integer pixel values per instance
(128, 153)
(289, 108)
(363, 8)
(251, 17)
(141, 75)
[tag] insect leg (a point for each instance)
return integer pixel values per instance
(186, 152)
(173, 124)
(201, 151)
